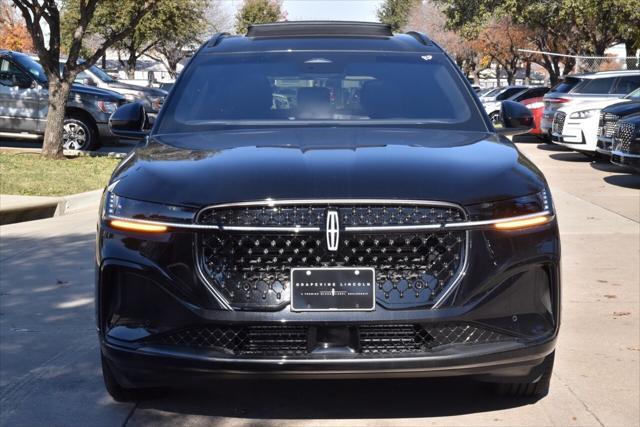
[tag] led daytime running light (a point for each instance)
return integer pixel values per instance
(523, 223)
(137, 226)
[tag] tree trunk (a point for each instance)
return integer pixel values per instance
(527, 72)
(104, 62)
(131, 66)
(510, 76)
(58, 95)
(498, 84)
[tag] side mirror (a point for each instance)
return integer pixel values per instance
(129, 121)
(88, 81)
(516, 119)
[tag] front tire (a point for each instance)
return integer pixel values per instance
(539, 388)
(79, 134)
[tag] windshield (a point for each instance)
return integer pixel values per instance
(337, 87)
(32, 66)
(101, 74)
(634, 96)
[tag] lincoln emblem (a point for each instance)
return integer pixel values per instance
(333, 230)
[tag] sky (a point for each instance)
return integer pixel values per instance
(341, 10)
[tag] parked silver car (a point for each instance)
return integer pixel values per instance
(24, 105)
(151, 98)
(586, 88)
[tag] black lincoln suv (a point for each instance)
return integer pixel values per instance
(325, 200)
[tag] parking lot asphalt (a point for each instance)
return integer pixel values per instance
(49, 358)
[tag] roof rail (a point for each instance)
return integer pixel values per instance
(421, 37)
(215, 39)
(320, 28)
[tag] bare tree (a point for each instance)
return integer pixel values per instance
(40, 14)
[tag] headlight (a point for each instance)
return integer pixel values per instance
(510, 214)
(136, 215)
(156, 102)
(584, 114)
(107, 106)
(535, 105)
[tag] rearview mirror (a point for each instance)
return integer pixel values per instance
(128, 121)
(88, 81)
(515, 118)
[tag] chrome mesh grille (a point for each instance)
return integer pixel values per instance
(558, 122)
(624, 134)
(609, 124)
(251, 269)
(383, 340)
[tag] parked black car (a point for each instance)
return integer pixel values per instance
(375, 224)
(609, 117)
(626, 143)
(24, 105)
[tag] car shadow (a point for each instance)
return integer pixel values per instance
(332, 399)
(526, 139)
(552, 147)
(626, 181)
(571, 156)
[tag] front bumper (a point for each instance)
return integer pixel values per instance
(579, 135)
(628, 160)
(511, 288)
(157, 366)
(604, 145)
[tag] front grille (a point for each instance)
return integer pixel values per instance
(250, 340)
(251, 270)
(623, 136)
(609, 124)
(389, 339)
(558, 123)
(298, 341)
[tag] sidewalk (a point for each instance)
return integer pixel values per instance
(15, 209)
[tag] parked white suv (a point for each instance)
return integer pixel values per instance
(576, 126)
(590, 87)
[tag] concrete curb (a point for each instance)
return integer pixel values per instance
(14, 209)
(67, 153)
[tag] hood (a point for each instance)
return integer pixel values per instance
(245, 165)
(94, 91)
(148, 91)
(623, 108)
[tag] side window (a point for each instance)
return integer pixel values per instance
(627, 84)
(597, 86)
(12, 76)
(508, 93)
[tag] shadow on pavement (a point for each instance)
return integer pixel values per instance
(626, 181)
(526, 139)
(329, 399)
(571, 157)
(50, 365)
(552, 147)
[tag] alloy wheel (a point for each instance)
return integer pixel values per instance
(74, 136)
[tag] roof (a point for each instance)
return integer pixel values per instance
(602, 74)
(320, 35)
